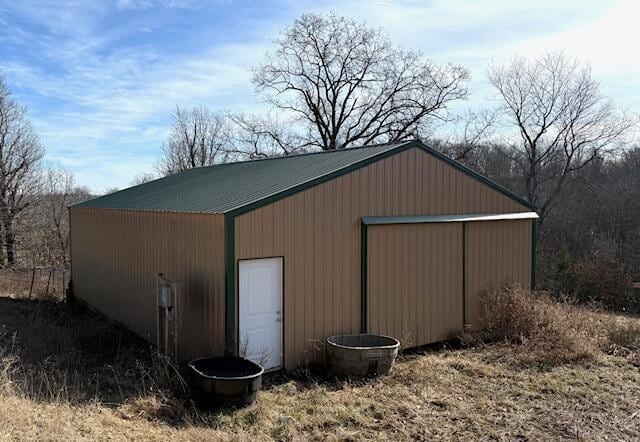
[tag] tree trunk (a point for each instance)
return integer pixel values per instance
(2, 254)
(9, 241)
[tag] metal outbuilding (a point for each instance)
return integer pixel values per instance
(275, 255)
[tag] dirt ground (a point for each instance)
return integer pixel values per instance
(66, 373)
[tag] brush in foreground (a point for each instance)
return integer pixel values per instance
(72, 374)
(547, 331)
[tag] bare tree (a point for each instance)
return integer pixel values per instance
(43, 228)
(198, 138)
(61, 191)
(143, 177)
(350, 86)
(472, 133)
(562, 120)
(262, 136)
(20, 156)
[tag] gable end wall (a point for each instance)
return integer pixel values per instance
(318, 233)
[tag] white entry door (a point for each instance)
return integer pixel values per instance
(260, 311)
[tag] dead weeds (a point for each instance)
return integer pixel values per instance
(545, 332)
(66, 373)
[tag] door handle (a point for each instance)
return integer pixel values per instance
(278, 319)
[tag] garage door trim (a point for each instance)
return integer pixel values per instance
(383, 220)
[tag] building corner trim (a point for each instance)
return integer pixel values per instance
(534, 246)
(230, 346)
(363, 278)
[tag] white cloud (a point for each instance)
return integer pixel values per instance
(112, 106)
(147, 4)
(112, 100)
(127, 98)
(62, 17)
(473, 33)
(608, 42)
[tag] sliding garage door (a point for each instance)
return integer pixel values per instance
(414, 288)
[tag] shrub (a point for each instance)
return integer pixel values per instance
(625, 334)
(543, 330)
(623, 338)
(599, 278)
(602, 280)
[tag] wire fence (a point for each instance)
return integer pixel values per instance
(34, 283)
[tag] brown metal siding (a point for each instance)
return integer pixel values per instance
(117, 255)
(415, 281)
(318, 233)
(497, 252)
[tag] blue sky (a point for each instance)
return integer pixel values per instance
(100, 78)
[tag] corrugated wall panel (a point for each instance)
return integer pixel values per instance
(497, 252)
(415, 281)
(117, 255)
(318, 233)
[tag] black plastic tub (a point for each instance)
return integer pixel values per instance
(362, 354)
(225, 381)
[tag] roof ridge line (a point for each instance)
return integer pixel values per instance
(319, 152)
(393, 146)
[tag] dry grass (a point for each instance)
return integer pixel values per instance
(34, 283)
(542, 330)
(68, 374)
(623, 339)
(547, 332)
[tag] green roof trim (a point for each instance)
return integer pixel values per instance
(534, 246)
(236, 188)
(230, 321)
(364, 308)
(465, 309)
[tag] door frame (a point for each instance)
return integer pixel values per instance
(236, 345)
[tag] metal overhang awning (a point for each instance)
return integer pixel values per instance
(419, 219)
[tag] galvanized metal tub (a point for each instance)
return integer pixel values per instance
(225, 381)
(361, 354)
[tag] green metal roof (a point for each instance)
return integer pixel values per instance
(233, 188)
(225, 187)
